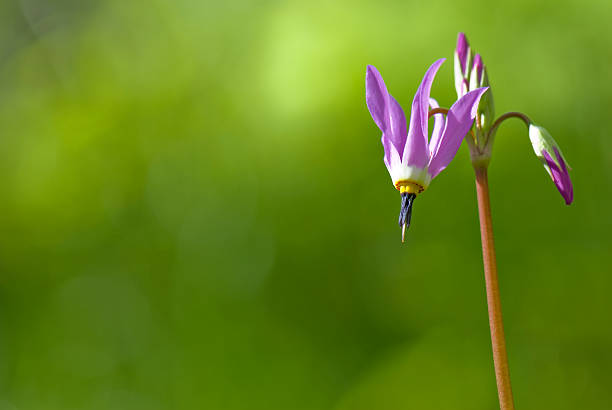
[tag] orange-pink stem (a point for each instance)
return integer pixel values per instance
(500, 356)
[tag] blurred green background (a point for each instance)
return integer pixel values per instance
(195, 214)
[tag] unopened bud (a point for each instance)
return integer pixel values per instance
(486, 109)
(547, 149)
(463, 61)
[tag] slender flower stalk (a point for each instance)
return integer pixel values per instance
(496, 325)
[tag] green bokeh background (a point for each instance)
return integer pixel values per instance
(194, 211)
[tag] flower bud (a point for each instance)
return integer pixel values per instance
(477, 74)
(486, 109)
(470, 74)
(545, 147)
(463, 60)
(542, 141)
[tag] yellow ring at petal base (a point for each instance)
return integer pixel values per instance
(409, 187)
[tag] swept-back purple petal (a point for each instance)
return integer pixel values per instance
(437, 128)
(377, 97)
(462, 51)
(387, 146)
(458, 122)
(385, 111)
(560, 176)
(388, 149)
(397, 125)
(416, 152)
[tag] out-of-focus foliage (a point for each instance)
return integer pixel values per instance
(194, 211)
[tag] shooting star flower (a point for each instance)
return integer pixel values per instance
(412, 159)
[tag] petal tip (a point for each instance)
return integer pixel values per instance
(439, 61)
(371, 70)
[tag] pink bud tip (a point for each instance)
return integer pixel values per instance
(462, 50)
(479, 67)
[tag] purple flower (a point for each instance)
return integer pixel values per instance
(412, 159)
(544, 146)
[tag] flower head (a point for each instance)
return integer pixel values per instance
(545, 147)
(471, 74)
(411, 157)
